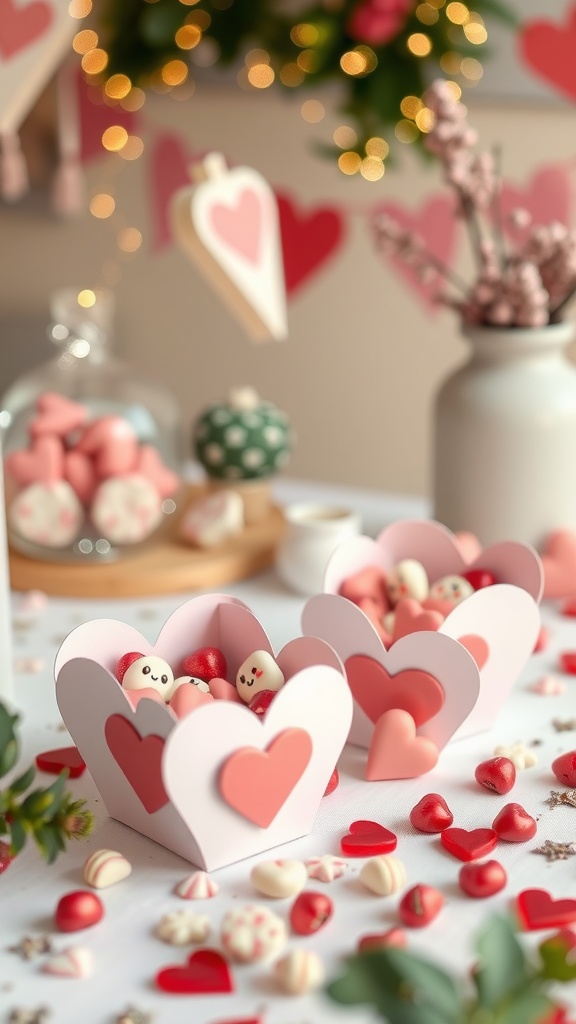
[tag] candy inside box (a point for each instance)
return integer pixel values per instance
(452, 678)
(221, 783)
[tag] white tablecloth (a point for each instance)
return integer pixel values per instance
(127, 953)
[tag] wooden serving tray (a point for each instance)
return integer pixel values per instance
(167, 567)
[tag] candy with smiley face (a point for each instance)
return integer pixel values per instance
(138, 672)
(451, 588)
(258, 672)
(407, 578)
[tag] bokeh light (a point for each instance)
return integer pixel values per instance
(102, 205)
(313, 111)
(114, 138)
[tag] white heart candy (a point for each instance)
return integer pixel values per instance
(279, 878)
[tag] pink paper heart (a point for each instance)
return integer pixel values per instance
(547, 197)
(140, 759)
(435, 224)
(257, 783)
(548, 48)
(42, 463)
(23, 25)
(309, 239)
(410, 616)
(478, 648)
(396, 752)
(240, 225)
(559, 563)
(57, 415)
(376, 691)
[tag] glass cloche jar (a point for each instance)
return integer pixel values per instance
(91, 454)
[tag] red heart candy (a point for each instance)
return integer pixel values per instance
(482, 880)
(53, 761)
(368, 839)
(479, 578)
(537, 909)
(468, 845)
(206, 972)
(498, 774)
(42, 463)
(431, 814)
(206, 663)
(310, 912)
(564, 768)
(77, 910)
(393, 937)
(568, 662)
(514, 825)
(420, 905)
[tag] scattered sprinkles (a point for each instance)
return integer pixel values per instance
(132, 1015)
(556, 851)
(567, 796)
(21, 1016)
(564, 725)
(30, 946)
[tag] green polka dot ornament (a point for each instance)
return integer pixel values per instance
(244, 438)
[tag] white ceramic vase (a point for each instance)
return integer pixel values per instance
(505, 436)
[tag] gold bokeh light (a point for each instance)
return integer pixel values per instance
(133, 149)
(102, 205)
(377, 147)
(85, 40)
(457, 13)
(313, 111)
(117, 87)
(304, 35)
(134, 100)
(406, 131)
(349, 163)
(354, 62)
(114, 138)
(79, 8)
(188, 36)
(419, 44)
(95, 61)
(86, 298)
(472, 69)
(129, 239)
(410, 106)
(425, 119)
(345, 137)
(291, 75)
(372, 168)
(261, 76)
(427, 14)
(174, 72)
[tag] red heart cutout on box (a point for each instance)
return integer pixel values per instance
(376, 691)
(140, 759)
(239, 225)
(22, 25)
(368, 839)
(53, 761)
(559, 564)
(410, 617)
(468, 845)
(205, 973)
(257, 783)
(396, 752)
(537, 909)
(308, 240)
(548, 49)
(477, 647)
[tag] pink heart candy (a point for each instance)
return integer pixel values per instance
(188, 697)
(57, 415)
(410, 617)
(150, 465)
(396, 752)
(43, 463)
(79, 472)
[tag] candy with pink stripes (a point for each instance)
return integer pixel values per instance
(253, 933)
(300, 971)
(126, 509)
(106, 867)
(198, 886)
(383, 875)
(73, 962)
(326, 868)
(47, 514)
(549, 686)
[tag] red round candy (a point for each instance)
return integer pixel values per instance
(333, 783)
(564, 768)
(77, 910)
(497, 774)
(568, 662)
(310, 912)
(431, 814)
(420, 905)
(393, 937)
(514, 825)
(480, 578)
(261, 701)
(482, 879)
(206, 663)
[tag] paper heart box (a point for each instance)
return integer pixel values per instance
(477, 653)
(220, 784)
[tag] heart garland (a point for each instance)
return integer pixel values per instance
(548, 49)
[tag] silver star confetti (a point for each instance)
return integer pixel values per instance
(32, 946)
(564, 724)
(21, 1016)
(556, 851)
(568, 796)
(132, 1015)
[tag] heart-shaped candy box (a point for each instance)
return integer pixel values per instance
(498, 625)
(222, 783)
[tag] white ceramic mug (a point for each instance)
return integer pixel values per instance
(313, 533)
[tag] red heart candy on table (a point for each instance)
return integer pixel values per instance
(420, 905)
(537, 909)
(376, 691)
(382, 940)
(396, 752)
(57, 415)
(468, 845)
(514, 825)
(206, 663)
(564, 768)
(410, 617)
(431, 814)
(368, 839)
(43, 463)
(206, 972)
(482, 880)
(140, 759)
(310, 912)
(78, 910)
(498, 774)
(53, 762)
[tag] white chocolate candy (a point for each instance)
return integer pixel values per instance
(73, 962)
(383, 875)
(47, 514)
(211, 521)
(180, 928)
(181, 680)
(407, 579)
(326, 868)
(522, 757)
(126, 509)
(253, 933)
(150, 672)
(105, 868)
(300, 971)
(279, 878)
(451, 588)
(258, 672)
(198, 886)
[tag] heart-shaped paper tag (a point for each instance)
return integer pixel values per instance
(257, 783)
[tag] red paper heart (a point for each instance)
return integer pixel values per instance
(239, 225)
(547, 197)
(559, 564)
(308, 240)
(435, 224)
(548, 49)
(53, 761)
(140, 759)
(468, 845)
(477, 647)
(368, 839)
(376, 691)
(22, 25)
(205, 973)
(537, 909)
(257, 783)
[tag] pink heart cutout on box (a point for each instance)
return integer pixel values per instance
(396, 752)
(21, 26)
(257, 783)
(376, 691)
(559, 563)
(548, 49)
(239, 225)
(140, 759)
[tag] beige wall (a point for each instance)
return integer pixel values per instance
(358, 372)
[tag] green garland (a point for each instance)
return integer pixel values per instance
(140, 40)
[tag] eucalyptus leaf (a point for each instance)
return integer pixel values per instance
(527, 1008)
(554, 952)
(502, 969)
(17, 836)
(47, 840)
(23, 782)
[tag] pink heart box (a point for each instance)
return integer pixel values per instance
(163, 776)
(505, 617)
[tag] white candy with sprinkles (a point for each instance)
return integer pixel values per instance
(47, 514)
(126, 509)
(180, 928)
(198, 886)
(253, 933)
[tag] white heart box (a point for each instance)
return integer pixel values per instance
(164, 777)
